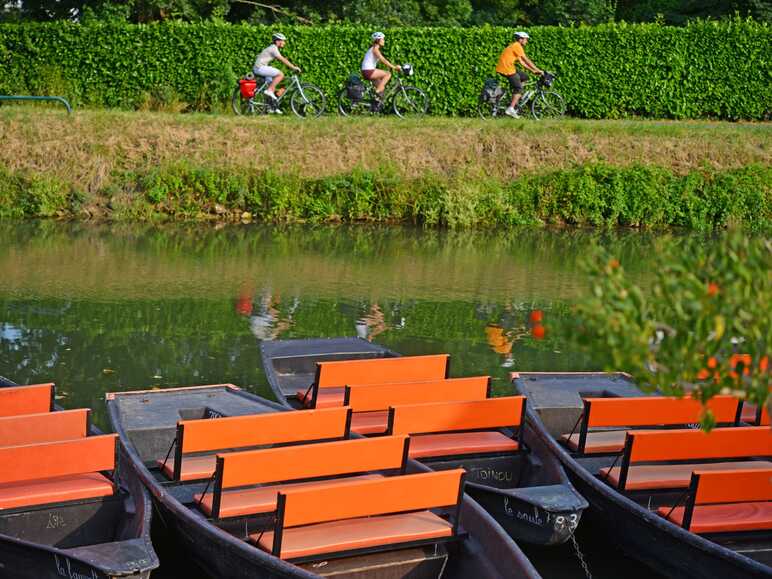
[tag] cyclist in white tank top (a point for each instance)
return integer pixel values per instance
(379, 78)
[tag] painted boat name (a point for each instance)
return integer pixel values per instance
(65, 570)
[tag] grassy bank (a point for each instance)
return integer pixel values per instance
(451, 172)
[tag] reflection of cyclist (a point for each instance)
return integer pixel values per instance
(510, 56)
(370, 71)
(500, 342)
(270, 73)
(371, 324)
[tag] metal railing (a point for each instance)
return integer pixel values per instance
(4, 97)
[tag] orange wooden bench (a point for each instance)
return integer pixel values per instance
(725, 501)
(370, 402)
(644, 411)
(755, 415)
(332, 377)
(364, 516)
(460, 428)
(26, 399)
(195, 437)
(659, 446)
(44, 427)
(55, 472)
(280, 469)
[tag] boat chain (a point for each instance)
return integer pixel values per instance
(580, 556)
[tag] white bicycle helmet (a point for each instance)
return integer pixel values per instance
(377, 36)
(278, 36)
(521, 34)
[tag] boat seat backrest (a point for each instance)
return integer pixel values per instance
(58, 459)
(301, 462)
(725, 501)
(692, 444)
(736, 486)
(34, 399)
(651, 411)
(368, 498)
(339, 373)
(374, 397)
(442, 417)
(209, 435)
(44, 427)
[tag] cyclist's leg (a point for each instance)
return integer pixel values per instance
(379, 78)
(516, 82)
(275, 76)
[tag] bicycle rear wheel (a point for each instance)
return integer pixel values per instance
(489, 109)
(410, 101)
(308, 104)
(349, 107)
(548, 105)
(254, 106)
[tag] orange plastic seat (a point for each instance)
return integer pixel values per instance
(326, 398)
(193, 467)
(370, 422)
(196, 438)
(312, 466)
(54, 490)
(260, 499)
(361, 533)
(456, 443)
(671, 476)
(724, 518)
(603, 441)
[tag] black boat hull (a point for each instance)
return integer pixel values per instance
(130, 555)
(643, 534)
(487, 553)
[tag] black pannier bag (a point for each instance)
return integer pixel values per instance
(491, 91)
(355, 88)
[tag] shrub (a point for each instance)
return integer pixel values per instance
(706, 69)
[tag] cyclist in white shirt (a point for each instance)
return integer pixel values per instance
(263, 60)
(370, 71)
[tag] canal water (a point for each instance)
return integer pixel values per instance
(101, 308)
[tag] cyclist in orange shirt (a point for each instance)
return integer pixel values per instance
(513, 54)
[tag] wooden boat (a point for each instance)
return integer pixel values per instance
(62, 517)
(650, 524)
(189, 464)
(525, 491)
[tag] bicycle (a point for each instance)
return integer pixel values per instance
(306, 99)
(538, 96)
(404, 100)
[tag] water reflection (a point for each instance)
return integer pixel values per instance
(106, 308)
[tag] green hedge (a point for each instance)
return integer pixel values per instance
(707, 69)
(595, 194)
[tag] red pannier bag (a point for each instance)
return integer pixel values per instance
(248, 87)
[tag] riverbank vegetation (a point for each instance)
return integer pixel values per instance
(436, 172)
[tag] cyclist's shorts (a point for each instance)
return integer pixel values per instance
(267, 72)
(368, 74)
(516, 81)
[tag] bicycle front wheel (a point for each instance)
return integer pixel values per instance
(410, 101)
(308, 102)
(548, 105)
